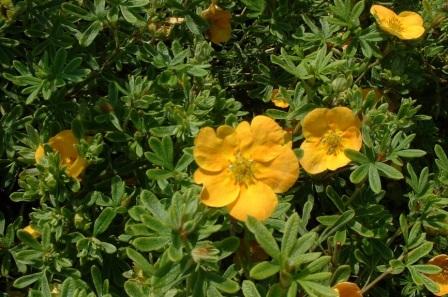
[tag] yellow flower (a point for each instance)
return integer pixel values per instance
(328, 132)
(31, 231)
(243, 168)
(406, 25)
(278, 100)
(441, 278)
(348, 289)
(65, 144)
(219, 23)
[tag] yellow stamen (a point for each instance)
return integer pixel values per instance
(242, 169)
(395, 24)
(333, 142)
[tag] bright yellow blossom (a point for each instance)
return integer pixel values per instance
(406, 25)
(348, 289)
(441, 278)
(328, 132)
(278, 100)
(219, 30)
(31, 231)
(243, 168)
(65, 144)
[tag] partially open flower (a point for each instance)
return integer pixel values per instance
(31, 231)
(277, 99)
(441, 278)
(348, 289)
(328, 132)
(243, 168)
(219, 30)
(65, 144)
(406, 25)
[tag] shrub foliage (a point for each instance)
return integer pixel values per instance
(136, 80)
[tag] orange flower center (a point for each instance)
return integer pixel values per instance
(395, 24)
(242, 169)
(333, 142)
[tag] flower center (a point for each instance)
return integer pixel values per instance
(395, 24)
(242, 169)
(333, 142)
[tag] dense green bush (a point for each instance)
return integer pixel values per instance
(120, 214)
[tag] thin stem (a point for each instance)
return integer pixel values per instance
(376, 280)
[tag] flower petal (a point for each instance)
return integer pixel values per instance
(314, 158)
(337, 161)
(410, 18)
(256, 200)
(352, 139)
(348, 289)
(315, 123)
(220, 189)
(382, 13)
(441, 278)
(65, 144)
(77, 167)
(39, 153)
(263, 142)
(279, 174)
(213, 150)
(219, 23)
(342, 118)
(411, 32)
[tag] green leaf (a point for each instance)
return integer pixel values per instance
(192, 26)
(77, 11)
(104, 220)
(359, 174)
(341, 274)
(418, 253)
(27, 280)
(213, 292)
(140, 261)
(411, 153)
(147, 244)
(337, 225)
(29, 240)
(256, 7)
(224, 284)
(356, 156)
(97, 279)
(249, 289)
(88, 36)
(302, 245)
(316, 289)
(290, 235)
(264, 270)
(128, 15)
(374, 179)
(427, 268)
(389, 171)
(150, 202)
(117, 189)
(264, 237)
(134, 289)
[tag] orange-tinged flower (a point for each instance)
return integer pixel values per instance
(31, 231)
(65, 144)
(406, 25)
(218, 19)
(243, 168)
(328, 132)
(277, 99)
(441, 278)
(348, 289)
